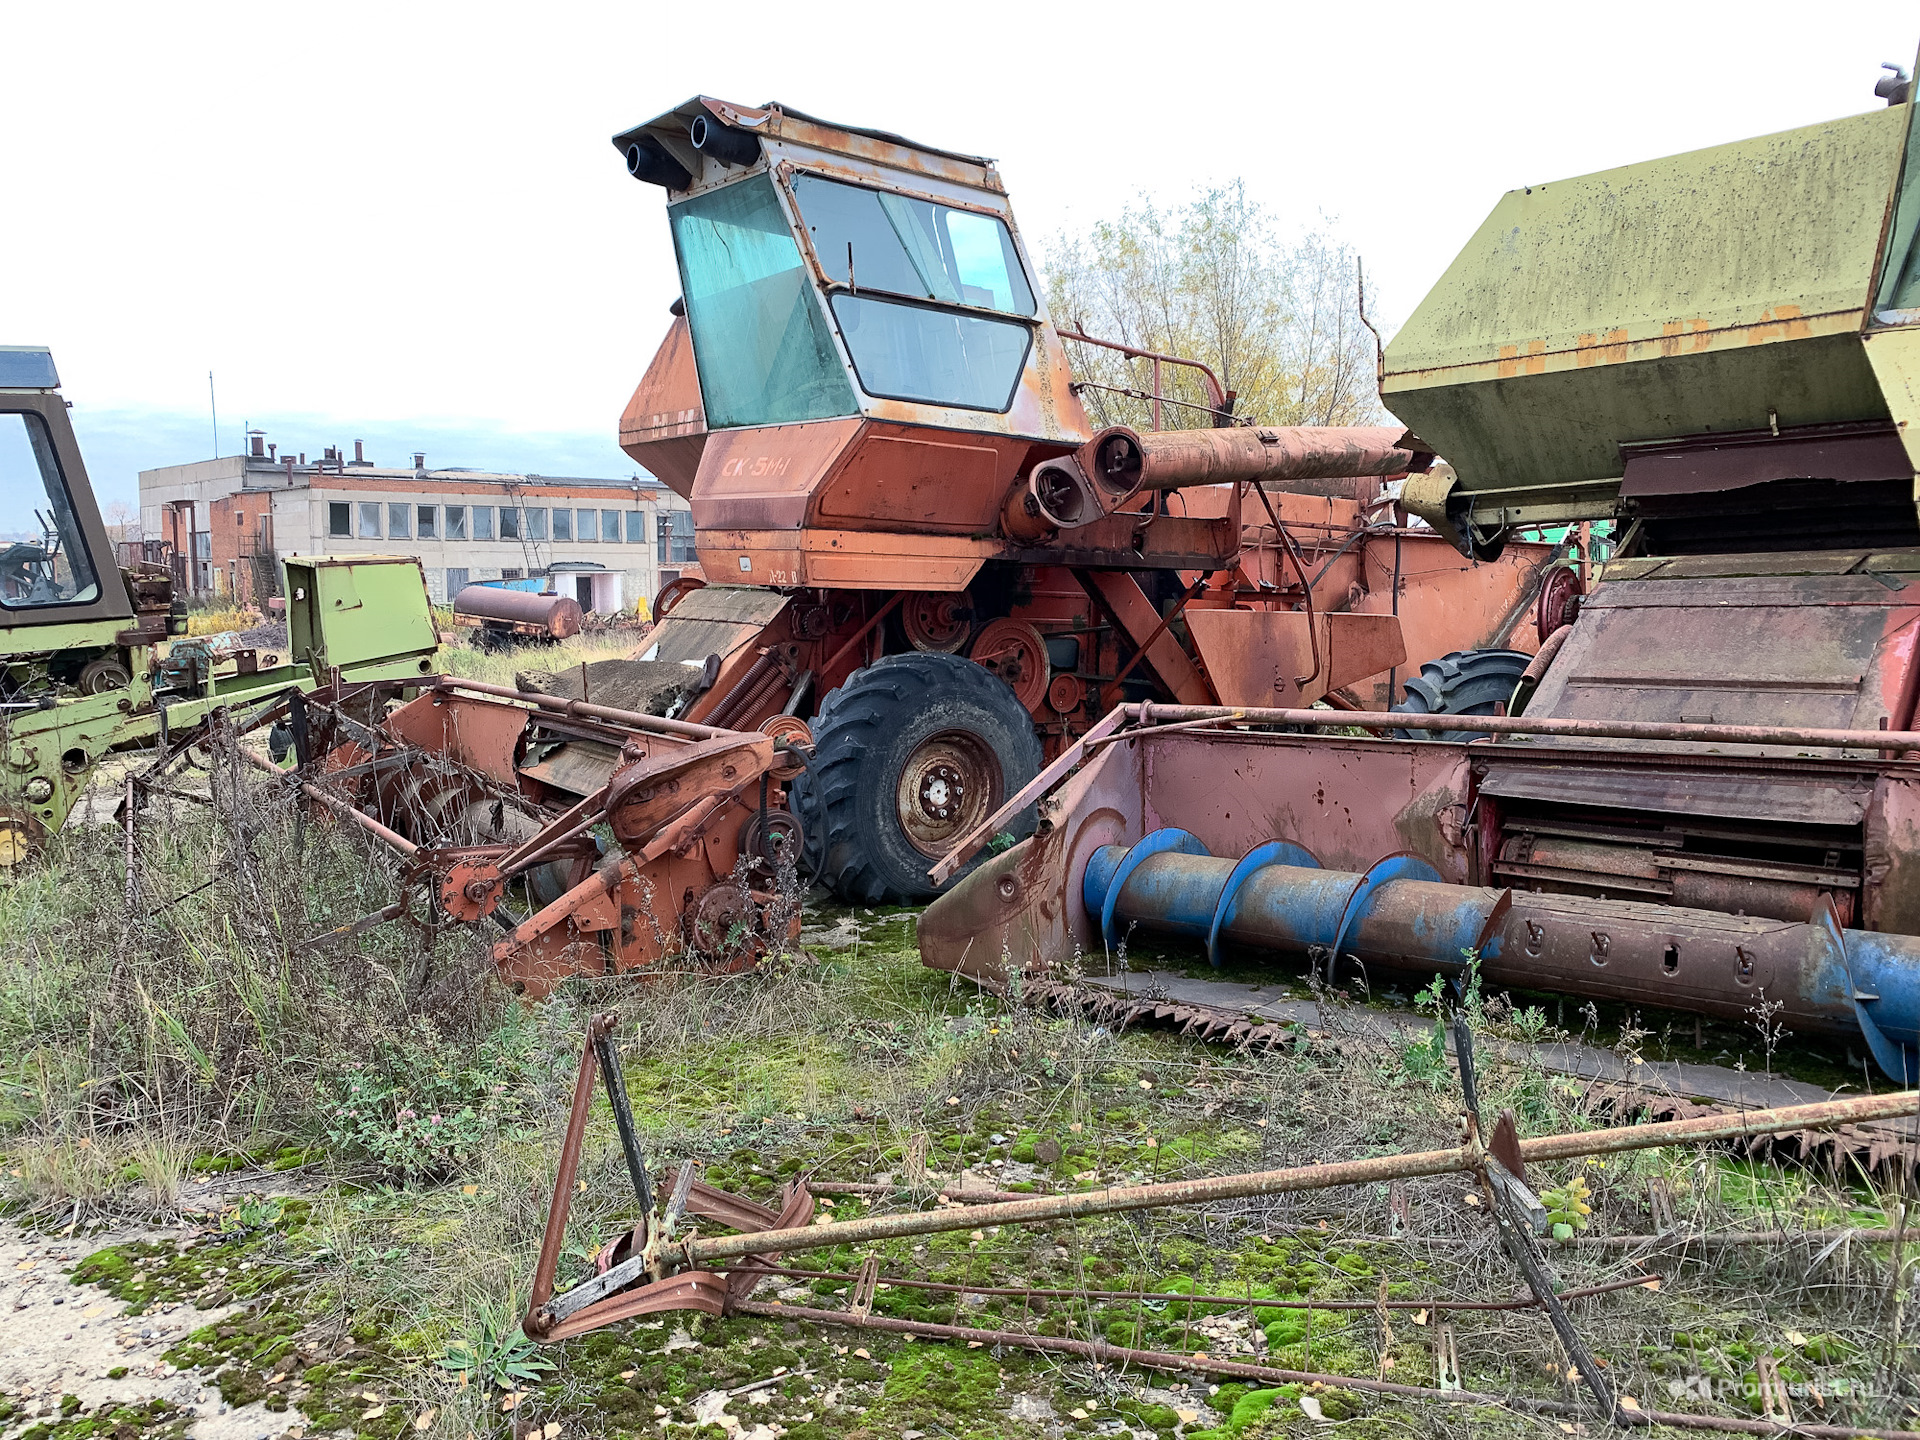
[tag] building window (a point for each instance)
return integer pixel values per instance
(610, 526)
(240, 519)
(510, 573)
(676, 538)
(339, 519)
(369, 519)
(636, 527)
(456, 522)
(456, 580)
(399, 521)
(510, 523)
(536, 526)
(483, 522)
(563, 525)
(586, 524)
(424, 517)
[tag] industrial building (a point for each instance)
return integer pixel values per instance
(224, 525)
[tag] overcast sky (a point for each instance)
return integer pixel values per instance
(404, 222)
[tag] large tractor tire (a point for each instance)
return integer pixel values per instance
(1467, 682)
(909, 756)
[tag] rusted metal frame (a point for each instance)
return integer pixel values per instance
(1049, 776)
(393, 839)
(1306, 586)
(1132, 394)
(603, 880)
(1140, 650)
(1215, 392)
(1101, 1351)
(1465, 1159)
(1256, 1302)
(631, 719)
(550, 1243)
(862, 633)
(1586, 729)
(561, 828)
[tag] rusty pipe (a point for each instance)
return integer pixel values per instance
(1121, 461)
(339, 807)
(1808, 736)
(631, 719)
(699, 1253)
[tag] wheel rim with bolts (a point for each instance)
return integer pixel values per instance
(950, 783)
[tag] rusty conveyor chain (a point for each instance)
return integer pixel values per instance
(1875, 1146)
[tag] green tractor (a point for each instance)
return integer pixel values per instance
(88, 662)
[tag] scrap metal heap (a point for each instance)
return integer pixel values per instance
(922, 548)
(663, 1263)
(1705, 795)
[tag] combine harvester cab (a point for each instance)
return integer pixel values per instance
(922, 556)
(1707, 793)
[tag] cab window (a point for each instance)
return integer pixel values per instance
(43, 557)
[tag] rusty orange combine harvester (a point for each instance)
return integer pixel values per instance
(931, 573)
(927, 563)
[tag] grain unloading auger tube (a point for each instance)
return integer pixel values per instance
(1167, 828)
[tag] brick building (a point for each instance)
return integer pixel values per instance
(226, 524)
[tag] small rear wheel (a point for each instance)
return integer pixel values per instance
(910, 755)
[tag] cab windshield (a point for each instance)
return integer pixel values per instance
(903, 261)
(761, 343)
(43, 560)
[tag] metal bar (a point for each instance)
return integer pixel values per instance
(556, 1235)
(1049, 777)
(1273, 1375)
(1305, 1177)
(632, 719)
(339, 807)
(561, 828)
(1112, 687)
(861, 634)
(616, 1083)
(1530, 725)
(1517, 1238)
(1214, 392)
(1522, 1302)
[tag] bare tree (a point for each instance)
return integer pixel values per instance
(1214, 280)
(121, 519)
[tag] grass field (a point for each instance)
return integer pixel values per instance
(396, 1116)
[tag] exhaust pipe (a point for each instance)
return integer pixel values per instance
(722, 142)
(648, 161)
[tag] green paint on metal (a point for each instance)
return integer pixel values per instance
(347, 613)
(1713, 290)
